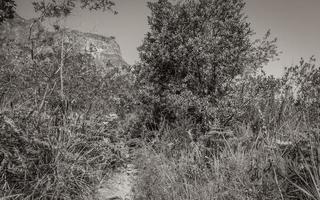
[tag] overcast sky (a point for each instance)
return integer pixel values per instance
(296, 24)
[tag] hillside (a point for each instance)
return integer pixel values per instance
(105, 50)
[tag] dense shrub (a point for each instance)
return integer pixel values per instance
(217, 126)
(47, 156)
(192, 55)
(240, 174)
(247, 167)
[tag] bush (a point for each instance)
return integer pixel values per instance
(48, 156)
(283, 165)
(237, 173)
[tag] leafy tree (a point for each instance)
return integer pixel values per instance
(54, 8)
(6, 9)
(198, 48)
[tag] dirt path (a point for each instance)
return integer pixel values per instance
(119, 186)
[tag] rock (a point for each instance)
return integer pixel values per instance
(105, 50)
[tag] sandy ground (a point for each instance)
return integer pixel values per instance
(119, 186)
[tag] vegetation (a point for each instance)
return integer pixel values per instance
(203, 119)
(218, 127)
(193, 54)
(58, 139)
(6, 10)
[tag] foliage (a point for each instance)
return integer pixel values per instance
(54, 8)
(250, 99)
(211, 123)
(246, 168)
(194, 92)
(6, 10)
(70, 143)
(239, 174)
(304, 80)
(44, 157)
(35, 76)
(197, 48)
(58, 145)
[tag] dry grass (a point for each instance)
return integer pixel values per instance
(246, 168)
(52, 156)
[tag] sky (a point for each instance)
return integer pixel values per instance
(296, 24)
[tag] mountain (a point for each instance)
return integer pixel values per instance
(105, 50)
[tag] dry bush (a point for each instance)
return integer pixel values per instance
(282, 163)
(238, 172)
(51, 156)
(302, 161)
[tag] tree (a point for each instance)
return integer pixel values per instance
(6, 10)
(54, 8)
(196, 48)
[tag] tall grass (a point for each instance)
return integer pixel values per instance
(279, 165)
(236, 173)
(47, 155)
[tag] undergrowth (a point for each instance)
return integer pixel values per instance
(54, 156)
(245, 168)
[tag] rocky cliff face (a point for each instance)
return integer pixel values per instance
(105, 50)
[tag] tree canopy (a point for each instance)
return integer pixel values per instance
(6, 9)
(198, 48)
(54, 8)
